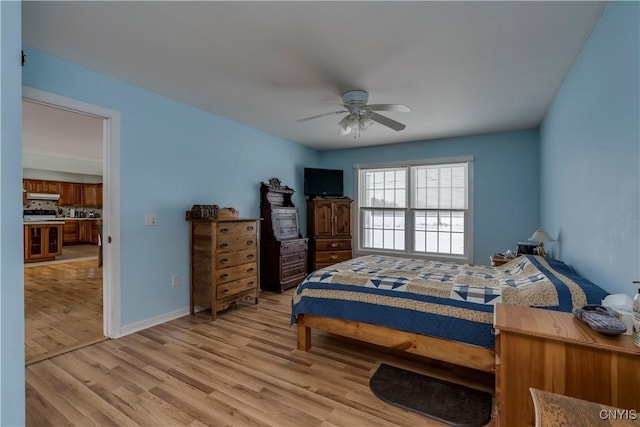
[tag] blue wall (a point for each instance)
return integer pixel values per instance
(12, 405)
(590, 156)
(505, 180)
(172, 157)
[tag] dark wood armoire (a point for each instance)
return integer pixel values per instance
(283, 250)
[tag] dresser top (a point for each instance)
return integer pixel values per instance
(557, 325)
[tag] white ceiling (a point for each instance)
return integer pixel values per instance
(463, 67)
(55, 132)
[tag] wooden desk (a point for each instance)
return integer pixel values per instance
(553, 351)
(554, 410)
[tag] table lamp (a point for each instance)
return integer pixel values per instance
(541, 236)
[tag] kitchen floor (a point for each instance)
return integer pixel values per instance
(63, 306)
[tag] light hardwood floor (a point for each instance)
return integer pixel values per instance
(241, 370)
(63, 307)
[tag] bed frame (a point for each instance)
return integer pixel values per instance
(468, 355)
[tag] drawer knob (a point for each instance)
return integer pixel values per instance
(249, 242)
(249, 270)
(224, 276)
(250, 283)
(224, 230)
(334, 245)
(225, 291)
(250, 228)
(250, 256)
(223, 245)
(333, 257)
(224, 260)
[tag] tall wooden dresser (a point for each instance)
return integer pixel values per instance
(329, 230)
(283, 250)
(224, 263)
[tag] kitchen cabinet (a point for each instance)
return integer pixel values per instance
(71, 194)
(80, 231)
(92, 195)
(42, 242)
(70, 235)
(41, 186)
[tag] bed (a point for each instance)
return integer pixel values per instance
(439, 310)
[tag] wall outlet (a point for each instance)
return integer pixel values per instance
(150, 219)
(175, 280)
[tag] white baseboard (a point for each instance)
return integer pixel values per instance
(152, 321)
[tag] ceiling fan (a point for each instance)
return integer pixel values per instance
(361, 115)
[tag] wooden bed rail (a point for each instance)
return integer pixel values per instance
(471, 356)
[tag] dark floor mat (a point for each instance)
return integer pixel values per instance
(449, 403)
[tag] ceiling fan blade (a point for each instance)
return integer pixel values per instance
(387, 121)
(322, 115)
(400, 108)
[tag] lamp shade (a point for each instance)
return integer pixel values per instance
(541, 236)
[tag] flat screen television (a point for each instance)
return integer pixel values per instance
(323, 182)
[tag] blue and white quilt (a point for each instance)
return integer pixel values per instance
(445, 300)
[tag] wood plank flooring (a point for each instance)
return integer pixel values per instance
(63, 307)
(241, 370)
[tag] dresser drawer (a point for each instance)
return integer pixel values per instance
(332, 257)
(293, 246)
(229, 259)
(233, 243)
(236, 228)
(236, 286)
(293, 259)
(333, 245)
(293, 271)
(229, 274)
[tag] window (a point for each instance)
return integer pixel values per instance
(417, 209)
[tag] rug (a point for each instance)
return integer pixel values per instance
(449, 403)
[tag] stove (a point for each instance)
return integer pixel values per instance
(39, 215)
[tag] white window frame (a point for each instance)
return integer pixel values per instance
(409, 251)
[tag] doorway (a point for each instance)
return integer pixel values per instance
(81, 294)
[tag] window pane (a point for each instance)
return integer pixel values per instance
(399, 221)
(432, 221)
(401, 179)
(432, 242)
(457, 222)
(378, 199)
(457, 198)
(401, 199)
(399, 240)
(445, 177)
(420, 221)
(457, 177)
(432, 177)
(388, 239)
(432, 198)
(445, 221)
(389, 198)
(457, 243)
(377, 239)
(420, 241)
(444, 243)
(421, 198)
(445, 198)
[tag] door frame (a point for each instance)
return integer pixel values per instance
(111, 198)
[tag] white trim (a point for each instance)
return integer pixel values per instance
(111, 196)
(152, 321)
(469, 236)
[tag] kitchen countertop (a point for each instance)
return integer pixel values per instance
(53, 221)
(72, 218)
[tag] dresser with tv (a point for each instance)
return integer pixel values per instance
(328, 217)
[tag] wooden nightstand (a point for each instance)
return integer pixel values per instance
(497, 260)
(553, 351)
